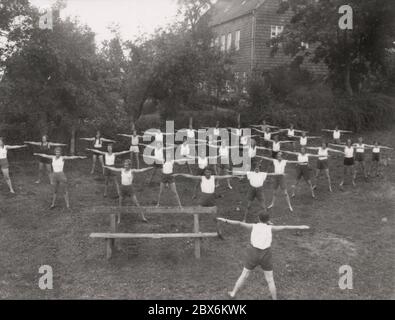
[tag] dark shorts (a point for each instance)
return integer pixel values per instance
(348, 161)
(127, 191)
(303, 171)
(108, 172)
(167, 178)
(322, 164)
(224, 166)
(4, 164)
(44, 160)
(359, 156)
(279, 181)
(257, 257)
(274, 154)
(200, 172)
(59, 178)
(158, 165)
(376, 157)
(255, 193)
(134, 149)
(207, 200)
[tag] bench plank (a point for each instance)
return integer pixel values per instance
(153, 235)
(153, 210)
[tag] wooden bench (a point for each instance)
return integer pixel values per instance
(111, 236)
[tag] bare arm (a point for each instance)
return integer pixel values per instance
(122, 152)
(54, 144)
(125, 135)
(113, 169)
(32, 143)
(73, 157)
(108, 140)
(237, 223)
(189, 176)
(88, 139)
(265, 158)
(43, 155)
(96, 151)
(281, 228)
(16, 147)
(142, 170)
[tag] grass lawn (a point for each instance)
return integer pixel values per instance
(347, 229)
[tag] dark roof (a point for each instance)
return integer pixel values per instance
(226, 10)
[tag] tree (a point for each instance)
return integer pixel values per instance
(54, 76)
(352, 54)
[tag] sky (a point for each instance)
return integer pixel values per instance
(133, 16)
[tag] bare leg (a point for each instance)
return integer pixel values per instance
(353, 175)
(240, 282)
(6, 174)
(49, 172)
(173, 188)
(161, 186)
(195, 190)
(270, 282)
(288, 200)
(40, 169)
(294, 187)
(94, 158)
(55, 193)
(136, 154)
(106, 181)
(136, 203)
(311, 188)
(149, 181)
(273, 199)
(249, 203)
(66, 197)
(329, 179)
(102, 163)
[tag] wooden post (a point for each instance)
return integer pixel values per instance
(197, 240)
(110, 242)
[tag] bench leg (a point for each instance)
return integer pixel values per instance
(109, 248)
(197, 240)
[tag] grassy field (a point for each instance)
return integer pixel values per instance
(347, 229)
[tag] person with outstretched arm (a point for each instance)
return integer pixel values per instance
(58, 176)
(44, 163)
(109, 161)
(4, 166)
(259, 252)
(127, 188)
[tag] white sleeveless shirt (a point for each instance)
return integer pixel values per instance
(208, 185)
(303, 141)
(109, 159)
(3, 152)
(279, 166)
(57, 164)
(323, 153)
(256, 178)
(261, 236)
(349, 152)
(126, 177)
(202, 162)
(303, 159)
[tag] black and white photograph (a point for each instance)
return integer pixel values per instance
(215, 152)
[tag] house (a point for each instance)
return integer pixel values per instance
(245, 27)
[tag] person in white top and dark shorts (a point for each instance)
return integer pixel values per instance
(109, 161)
(323, 162)
(126, 189)
(376, 151)
(58, 176)
(134, 146)
(207, 185)
(4, 166)
(256, 180)
(349, 152)
(259, 253)
(279, 179)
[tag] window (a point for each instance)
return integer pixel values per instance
(223, 43)
(237, 40)
(237, 76)
(304, 45)
(275, 31)
(216, 42)
(229, 42)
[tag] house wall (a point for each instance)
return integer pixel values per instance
(241, 58)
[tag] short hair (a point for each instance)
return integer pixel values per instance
(58, 149)
(128, 161)
(264, 217)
